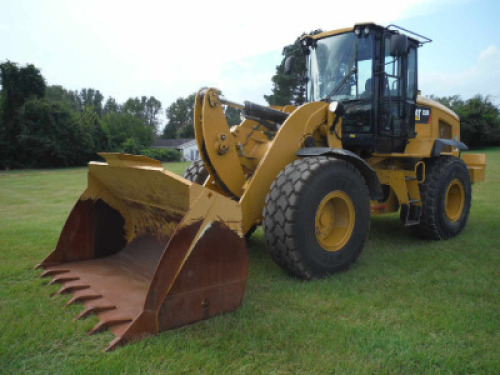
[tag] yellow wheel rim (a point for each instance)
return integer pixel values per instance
(334, 221)
(454, 200)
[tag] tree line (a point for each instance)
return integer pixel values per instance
(50, 126)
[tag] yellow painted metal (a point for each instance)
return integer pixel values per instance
(286, 142)
(403, 182)
(334, 221)
(253, 156)
(416, 148)
(216, 144)
(252, 143)
(152, 199)
(454, 200)
(329, 33)
(476, 164)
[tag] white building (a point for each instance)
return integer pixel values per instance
(187, 147)
(189, 150)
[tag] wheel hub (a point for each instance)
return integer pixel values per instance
(454, 200)
(334, 221)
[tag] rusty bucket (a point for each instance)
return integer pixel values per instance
(146, 251)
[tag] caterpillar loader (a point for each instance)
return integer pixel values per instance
(146, 251)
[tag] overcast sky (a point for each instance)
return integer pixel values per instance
(171, 49)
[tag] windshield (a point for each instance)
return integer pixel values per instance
(342, 63)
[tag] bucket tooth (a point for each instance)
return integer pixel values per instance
(62, 279)
(52, 272)
(93, 310)
(83, 297)
(71, 288)
(105, 324)
(117, 341)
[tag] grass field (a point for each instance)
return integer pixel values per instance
(407, 306)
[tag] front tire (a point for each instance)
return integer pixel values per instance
(316, 217)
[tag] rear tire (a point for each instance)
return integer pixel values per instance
(316, 217)
(446, 198)
(196, 172)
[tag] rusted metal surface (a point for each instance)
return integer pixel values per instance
(212, 280)
(140, 277)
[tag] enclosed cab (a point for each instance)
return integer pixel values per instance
(373, 72)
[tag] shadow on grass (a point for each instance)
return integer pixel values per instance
(385, 232)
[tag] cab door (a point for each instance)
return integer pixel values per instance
(397, 99)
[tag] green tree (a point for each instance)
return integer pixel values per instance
(57, 93)
(290, 89)
(91, 98)
(120, 127)
(18, 85)
(91, 124)
(232, 116)
(151, 111)
(186, 132)
(144, 108)
(111, 106)
(131, 146)
(180, 118)
(135, 107)
(52, 136)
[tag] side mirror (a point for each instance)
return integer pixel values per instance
(290, 60)
(399, 45)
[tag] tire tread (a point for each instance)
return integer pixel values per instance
(196, 172)
(429, 227)
(282, 205)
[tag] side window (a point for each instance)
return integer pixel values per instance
(364, 63)
(392, 69)
(412, 75)
(392, 95)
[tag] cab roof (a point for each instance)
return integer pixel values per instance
(421, 39)
(339, 31)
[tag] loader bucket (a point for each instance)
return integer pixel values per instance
(146, 250)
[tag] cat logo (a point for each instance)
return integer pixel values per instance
(422, 115)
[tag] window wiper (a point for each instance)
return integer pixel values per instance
(340, 85)
(354, 70)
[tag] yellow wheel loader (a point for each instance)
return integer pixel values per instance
(146, 251)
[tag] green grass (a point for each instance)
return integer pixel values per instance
(407, 306)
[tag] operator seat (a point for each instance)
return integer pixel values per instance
(368, 89)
